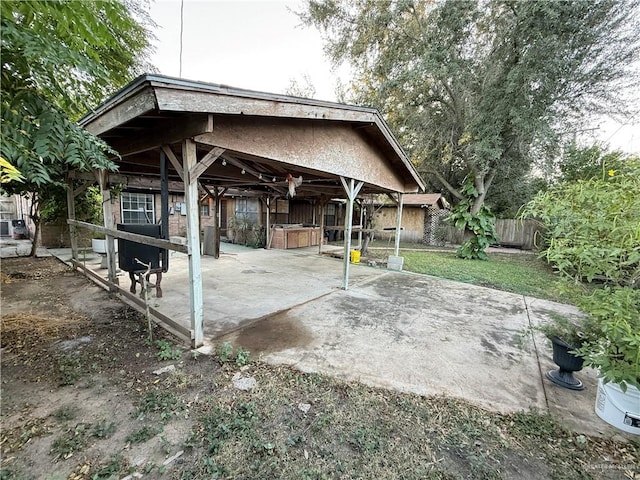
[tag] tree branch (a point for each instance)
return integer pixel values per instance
(447, 185)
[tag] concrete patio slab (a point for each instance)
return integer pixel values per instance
(404, 331)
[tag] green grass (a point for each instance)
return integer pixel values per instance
(520, 273)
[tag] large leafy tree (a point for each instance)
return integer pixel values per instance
(58, 59)
(478, 90)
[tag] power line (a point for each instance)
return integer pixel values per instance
(181, 33)
(628, 122)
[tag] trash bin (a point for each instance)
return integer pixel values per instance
(355, 256)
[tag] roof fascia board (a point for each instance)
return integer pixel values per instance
(176, 83)
(384, 128)
(138, 102)
(181, 100)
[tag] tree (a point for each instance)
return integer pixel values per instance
(480, 89)
(303, 88)
(587, 163)
(59, 58)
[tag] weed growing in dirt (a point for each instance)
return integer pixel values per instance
(70, 369)
(144, 434)
(65, 413)
(73, 440)
(167, 351)
(243, 357)
(114, 468)
(221, 424)
(162, 402)
(225, 354)
(103, 429)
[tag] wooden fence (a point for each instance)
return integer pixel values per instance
(512, 233)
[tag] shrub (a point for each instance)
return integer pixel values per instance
(616, 350)
(593, 226)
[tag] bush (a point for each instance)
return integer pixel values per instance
(616, 351)
(593, 226)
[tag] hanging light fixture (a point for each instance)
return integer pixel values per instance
(224, 162)
(243, 172)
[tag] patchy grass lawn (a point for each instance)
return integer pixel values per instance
(80, 401)
(516, 272)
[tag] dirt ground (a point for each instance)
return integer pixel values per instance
(80, 400)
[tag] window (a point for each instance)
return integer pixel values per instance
(248, 208)
(204, 210)
(137, 207)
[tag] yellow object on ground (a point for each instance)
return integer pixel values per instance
(355, 256)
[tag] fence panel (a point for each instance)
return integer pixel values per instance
(511, 232)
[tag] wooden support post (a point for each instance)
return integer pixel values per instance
(71, 209)
(164, 206)
(110, 223)
(323, 205)
(216, 224)
(352, 192)
(267, 243)
(361, 226)
(398, 225)
(193, 240)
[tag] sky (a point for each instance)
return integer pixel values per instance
(262, 45)
(258, 45)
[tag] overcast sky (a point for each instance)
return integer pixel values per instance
(261, 45)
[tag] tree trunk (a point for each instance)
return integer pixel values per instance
(482, 183)
(36, 236)
(34, 214)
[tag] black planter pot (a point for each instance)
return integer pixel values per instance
(568, 364)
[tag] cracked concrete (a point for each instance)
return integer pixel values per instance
(404, 331)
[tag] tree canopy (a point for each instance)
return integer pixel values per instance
(482, 89)
(58, 59)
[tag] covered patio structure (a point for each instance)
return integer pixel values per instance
(212, 138)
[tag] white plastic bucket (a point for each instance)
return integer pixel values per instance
(98, 245)
(618, 408)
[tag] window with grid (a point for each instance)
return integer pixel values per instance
(137, 207)
(248, 208)
(205, 211)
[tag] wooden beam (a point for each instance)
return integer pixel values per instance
(78, 190)
(129, 181)
(206, 162)
(264, 178)
(134, 237)
(166, 132)
(193, 240)
(174, 160)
